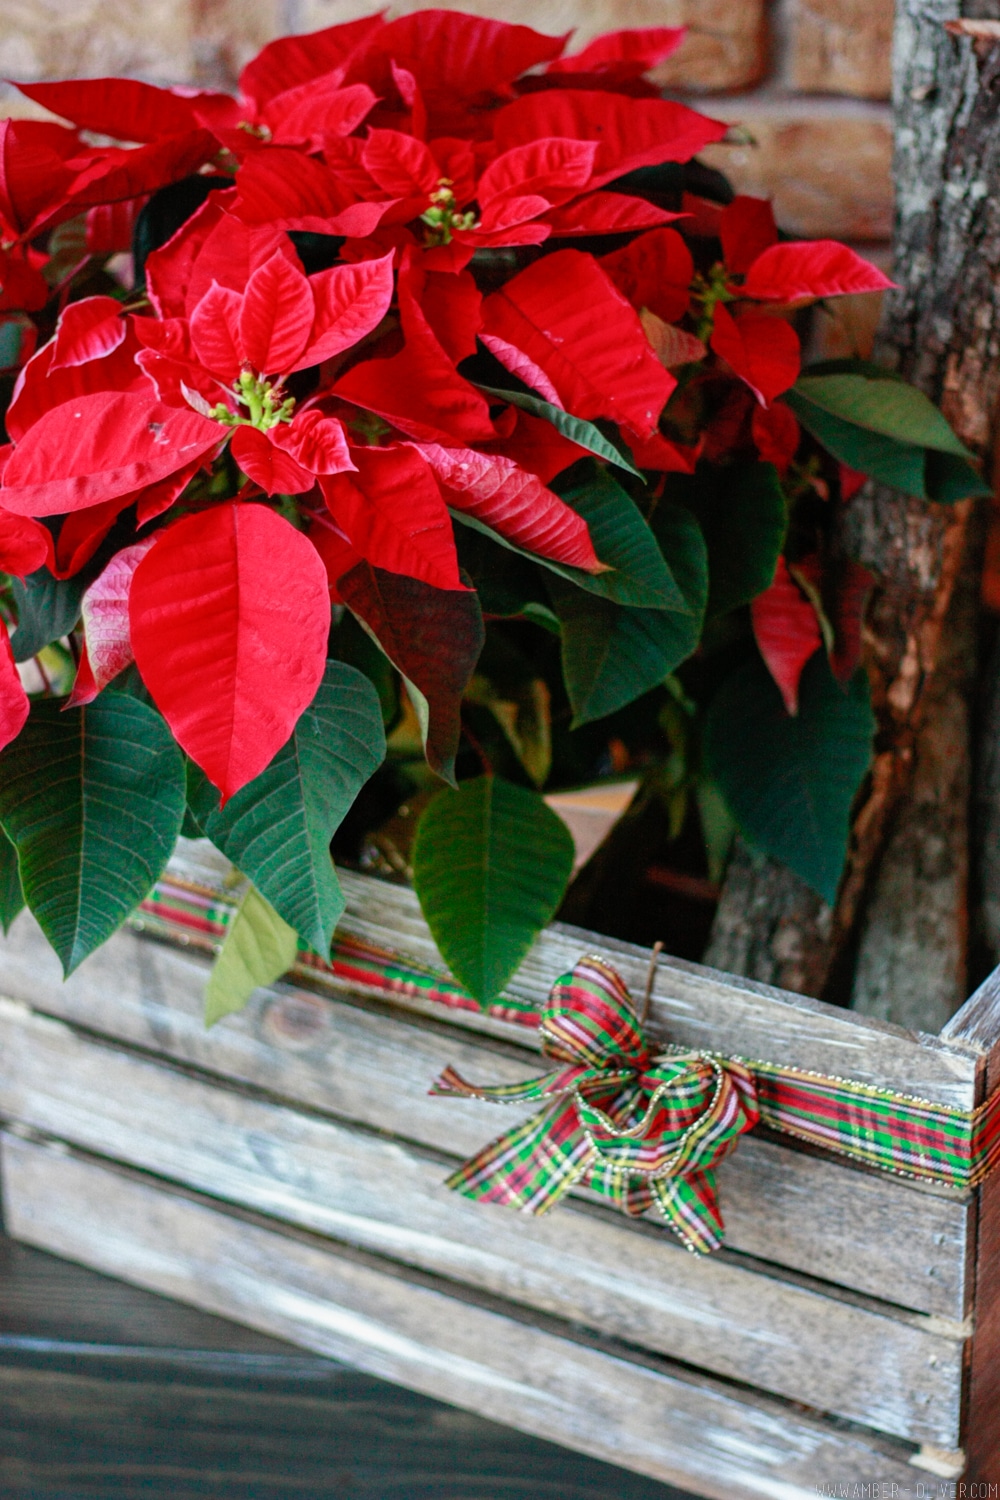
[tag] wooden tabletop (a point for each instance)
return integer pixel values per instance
(110, 1393)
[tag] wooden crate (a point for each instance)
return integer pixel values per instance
(286, 1168)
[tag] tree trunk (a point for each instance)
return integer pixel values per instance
(941, 329)
(770, 925)
(985, 828)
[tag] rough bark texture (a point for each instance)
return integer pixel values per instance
(941, 329)
(986, 813)
(912, 960)
(770, 925)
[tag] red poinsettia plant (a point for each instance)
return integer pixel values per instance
(429, 386)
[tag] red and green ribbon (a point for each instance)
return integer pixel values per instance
(642, 1125)
(642, 1128)
(181, 911)
(645, 1127)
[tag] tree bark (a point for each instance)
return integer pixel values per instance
(941, 329)
(770, 925)
(986, 816)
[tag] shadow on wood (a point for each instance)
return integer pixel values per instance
(107, 1391)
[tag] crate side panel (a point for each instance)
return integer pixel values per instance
(978, 1023)
(813, 1215)
(894, 1372)
(701, 1007)
(595, 1399)
(692, 1005)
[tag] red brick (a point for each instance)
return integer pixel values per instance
(75, 38)
(840, 46)
(725, 48)
(828, 170)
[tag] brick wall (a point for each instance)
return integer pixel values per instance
(809, 79)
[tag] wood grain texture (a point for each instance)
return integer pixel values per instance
(543, 1377)
(939, 330)
(51, 1305)
(770, 925)
(897, 1372)
(692, 1005)
(110, 1391)
(978, 1022)
(824, 1218)
(114, 1430)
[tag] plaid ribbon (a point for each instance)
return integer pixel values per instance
(644, 1130)
(181, 911)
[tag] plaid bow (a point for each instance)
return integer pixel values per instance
(644, 1128)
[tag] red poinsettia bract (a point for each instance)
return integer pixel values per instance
(300, 386)
(229, 614)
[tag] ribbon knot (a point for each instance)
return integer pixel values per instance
(644, 1128)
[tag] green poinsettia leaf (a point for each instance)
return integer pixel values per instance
(743, 516)
(190, 827)
(277, 829)
(638, 574)
(624, 541)
(865, 396)
(11, 894)
(47, 609)
(879, 425)
(258, 948)
(93, 799)
(577, 429)
(948, 478)
(789, 782)
(490, 864)
(898, 464)
(682, 544)
(611, 654)
(351, 643)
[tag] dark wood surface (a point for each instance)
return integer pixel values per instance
(110, 1393)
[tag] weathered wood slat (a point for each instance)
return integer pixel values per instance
(542, 1377)
(107, 1390)
(109, 1430)
(692, 1005)
(47, 1304)
(823, 1218)
(899, 1373)
(978, 1023)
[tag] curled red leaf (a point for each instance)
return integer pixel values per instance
(802, 270)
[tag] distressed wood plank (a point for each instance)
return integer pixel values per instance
(899, 1373)
(692, 1005)
(978, 1023)
(48, 1305)
(111, 1431)
(824, 1218)
(544, 1378)
(110, 1391)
